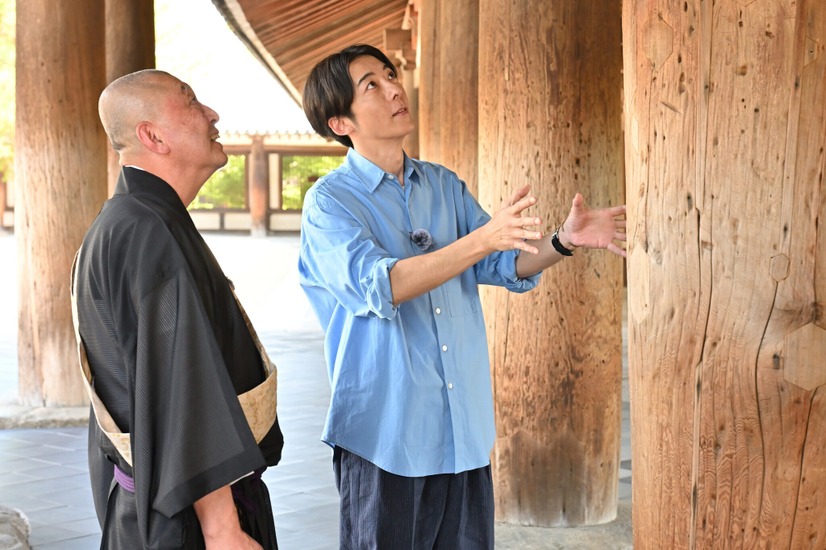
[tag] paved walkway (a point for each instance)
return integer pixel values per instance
(43, 471)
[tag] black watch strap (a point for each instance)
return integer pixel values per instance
(558, 245)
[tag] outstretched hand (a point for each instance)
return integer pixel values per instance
(508, 230)
(598, 228)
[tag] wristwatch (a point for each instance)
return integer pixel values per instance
(558, 245)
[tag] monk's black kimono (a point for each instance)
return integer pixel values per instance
(169, 351)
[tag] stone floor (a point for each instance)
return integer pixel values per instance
(43, 471)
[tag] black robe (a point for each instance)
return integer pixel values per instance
(169, 351)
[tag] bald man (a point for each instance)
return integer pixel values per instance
(169, 350)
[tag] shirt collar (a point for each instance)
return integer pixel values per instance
(370, 174)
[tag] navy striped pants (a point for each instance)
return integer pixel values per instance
(383, 511)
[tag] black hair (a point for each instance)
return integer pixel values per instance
(329, 90)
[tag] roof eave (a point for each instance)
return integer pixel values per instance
(237, 21)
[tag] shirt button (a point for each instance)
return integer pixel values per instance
(450, 385)
(391, 176)
(444, 348)
(438, 311)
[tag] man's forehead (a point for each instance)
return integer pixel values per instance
(185, 89)
(365, 65)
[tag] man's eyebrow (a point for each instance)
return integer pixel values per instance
(386, 66)
(366, 75)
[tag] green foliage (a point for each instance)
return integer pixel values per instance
(7, 30)
(227, 188)
(298, 175)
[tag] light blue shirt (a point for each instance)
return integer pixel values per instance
(410, 384)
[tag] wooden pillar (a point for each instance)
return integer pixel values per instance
(550, 115)
(275, 176)
(726, 130)
(130, 47)
(259, 187)
(448, 83)
(411, 142)
(459, 88)
(429, 79)
(400, 46)
(3, 199)
(60, 182)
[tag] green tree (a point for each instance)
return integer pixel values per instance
(7, 57)
(226, 188)
(299, 172)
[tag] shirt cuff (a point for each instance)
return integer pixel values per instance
(507, 268)
(380, 294)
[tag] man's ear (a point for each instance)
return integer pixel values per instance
(341, 125)
(148, 136)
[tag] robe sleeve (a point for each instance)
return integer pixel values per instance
(189, 433)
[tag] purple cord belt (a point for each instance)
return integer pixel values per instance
(124, 480)
(128, 483)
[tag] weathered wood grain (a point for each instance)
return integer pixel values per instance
(130, 46)
(549, 115)
(726, 123)
(60, 182)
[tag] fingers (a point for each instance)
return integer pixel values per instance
(578, 201)
(522, 204)
(526, 247)
(616, 250)
(518, 195)
(617, 210)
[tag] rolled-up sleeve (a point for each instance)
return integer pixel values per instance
(499, 268)
(341, 252)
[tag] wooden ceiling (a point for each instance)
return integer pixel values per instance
(291, 36)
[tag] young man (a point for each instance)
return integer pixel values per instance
(392, 251)
(168, 346)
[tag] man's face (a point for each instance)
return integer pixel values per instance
(190, 129)
(380, 108)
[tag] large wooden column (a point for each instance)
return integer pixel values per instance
(459, 79)
(550, 115)
(726, 129)
(448, 85)
(60, 182)
(130, 47)
(430, 119)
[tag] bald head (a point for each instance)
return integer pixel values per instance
(129, 100)
(155, 122)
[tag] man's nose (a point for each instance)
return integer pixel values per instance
(393, 90)
(211, 114)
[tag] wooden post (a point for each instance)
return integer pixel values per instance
(3, 205)
(130, 47)
(60, 173)
(411, 142)
(429, 80)
(275, 170)
(259, 187)
(459, 88)
(399, 45)
(550, 115)
(726, 130)
(448, 83)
